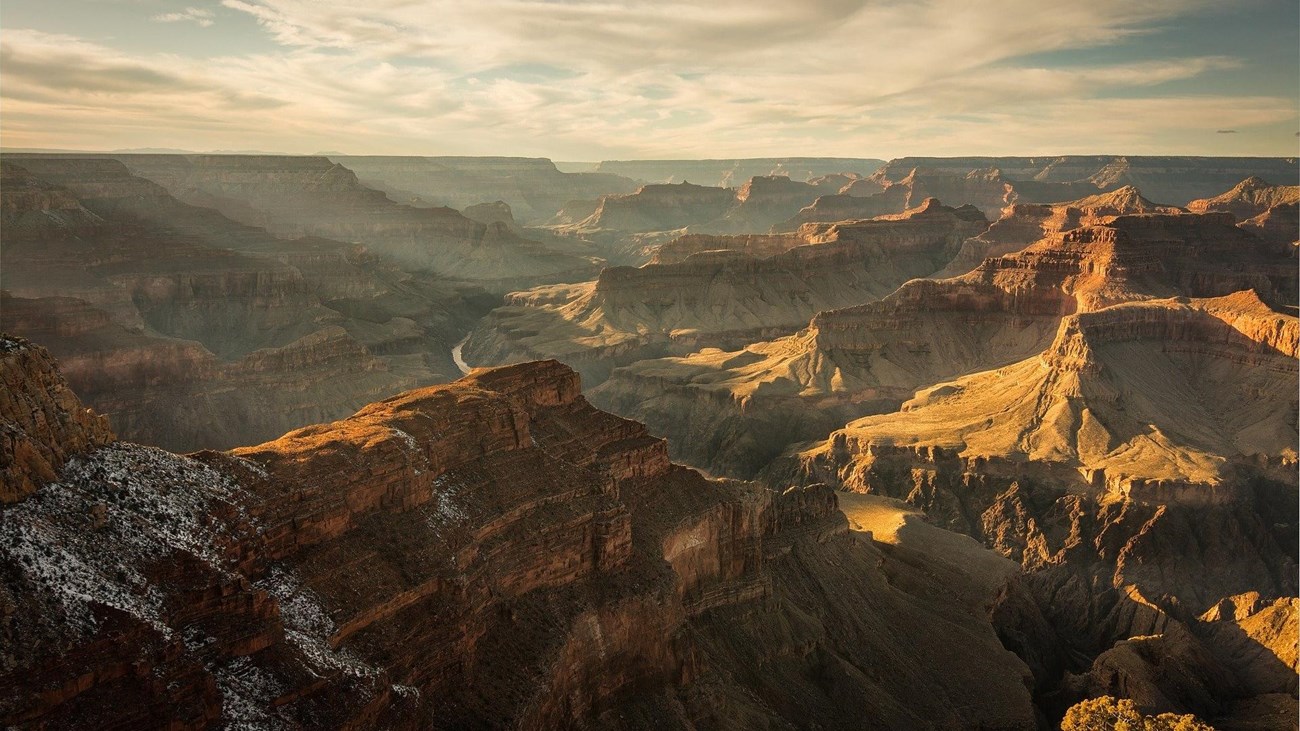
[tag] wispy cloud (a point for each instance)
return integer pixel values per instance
(617, 78)
(189, 15)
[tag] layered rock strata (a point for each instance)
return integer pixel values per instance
(494, 553)
(719, 291)
(1142, 472)
(731, 411)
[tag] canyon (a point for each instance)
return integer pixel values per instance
(194, 330)
(715, 291)
(340, 441)
(489, 552)
(732, 411)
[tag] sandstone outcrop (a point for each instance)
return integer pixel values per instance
(1143, 474)
(1022, 224)
(762, 202)
(719, 291)
(731, 412)
(660, 207)
(493, 552)
(1248, 199)
(1271, 212)
(986, 189)
(44, 422)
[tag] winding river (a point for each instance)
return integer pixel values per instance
(458, 359)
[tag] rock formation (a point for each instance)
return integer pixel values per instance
(1248, 199)
(659, 208)
(1142, 470)
(1268, 211)
(1022, 224)
(195, 331)
(719, 291)
(732, 411)
(493, 552)
(986, 189)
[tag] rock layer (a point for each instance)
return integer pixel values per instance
(732, 411)
(720, 291)
(1142, 473)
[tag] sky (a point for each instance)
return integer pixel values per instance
(623, 79)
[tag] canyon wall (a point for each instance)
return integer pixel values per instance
(732, 411)
(193, 330)
(731, 291)
(493, 552)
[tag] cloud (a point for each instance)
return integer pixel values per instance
(191, 15)
(617, 78)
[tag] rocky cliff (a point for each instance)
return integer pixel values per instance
(169, 316)
(44, 425)
(729, 291)
(1021, 224)
(1141, 471)
(732, 411)
(986, 189)
(1268, 211)
(660, 207)
(1248, 199)
(494, 553)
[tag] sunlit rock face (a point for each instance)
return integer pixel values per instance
(1268, 211)
(720, 291)
(493, 552)
(1141, 471)
(731, 411)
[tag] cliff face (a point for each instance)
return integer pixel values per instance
(170, 317)
(1141, 472)
(660, 208)
(1268, 211)
(493, 552)
(730, 291)
(986, 189)
(732, 412)
(762, 202)
(1022, 224)
(532, 187)
(44, 423)
(1248, 199)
